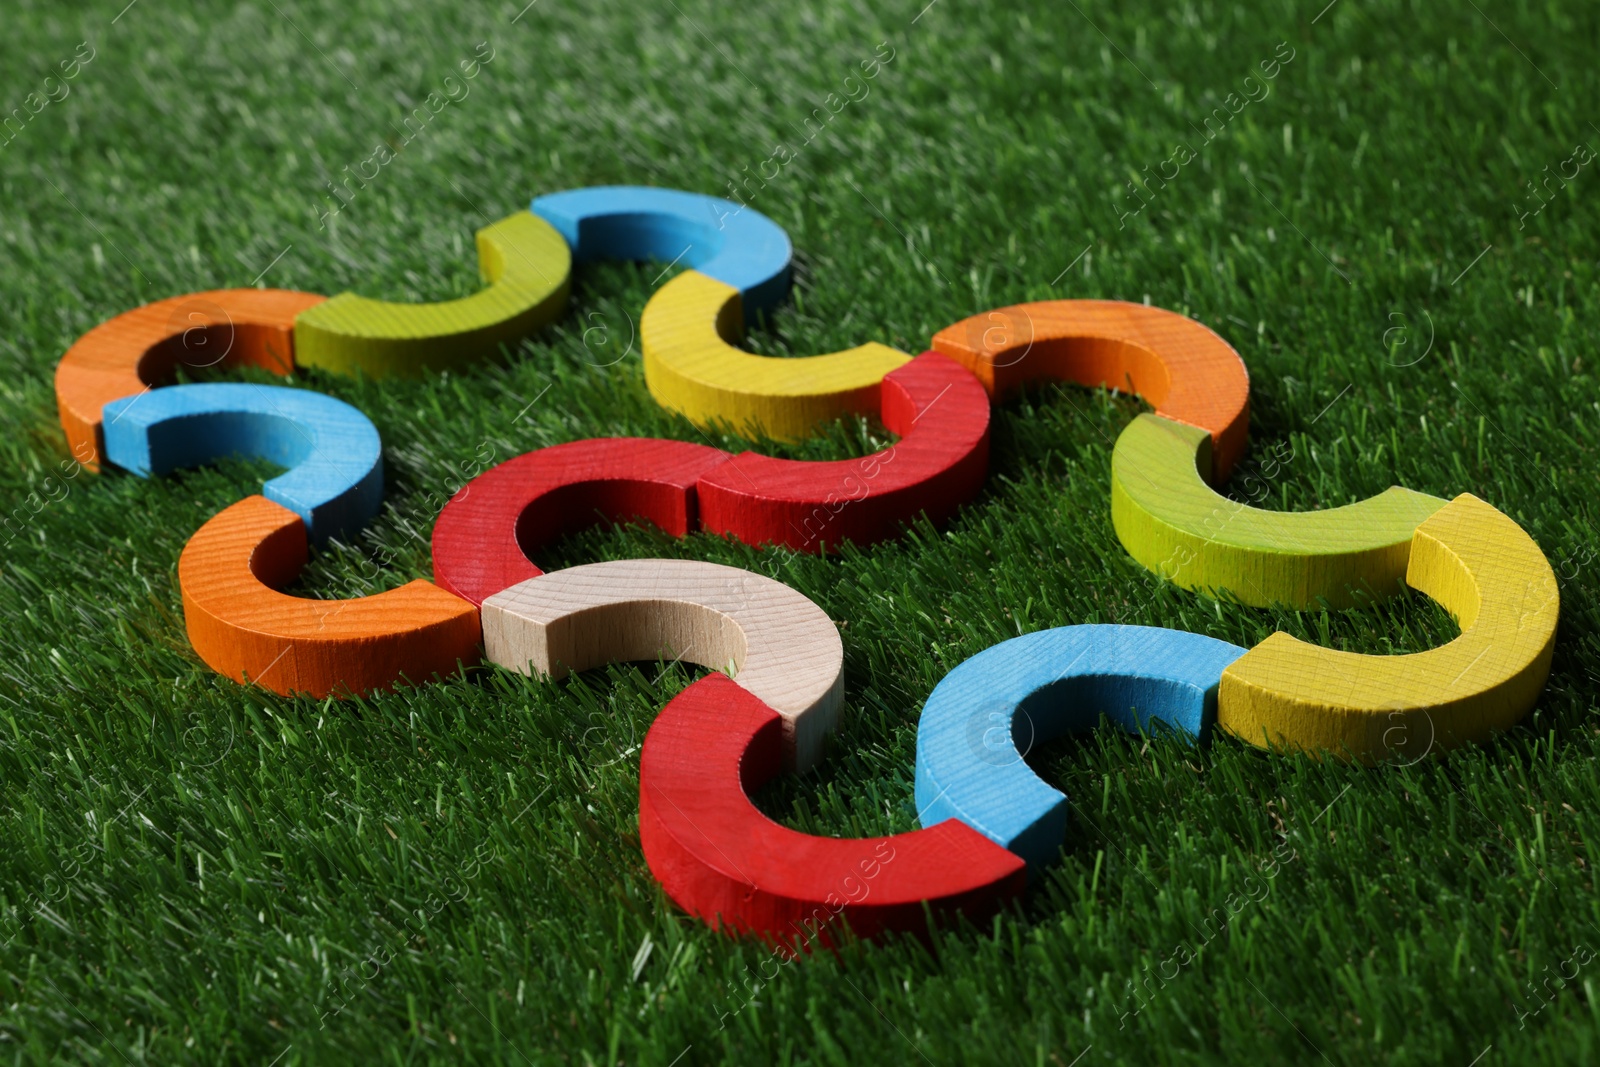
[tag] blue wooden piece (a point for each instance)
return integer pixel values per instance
(736, 245)
(985, 715)
(335, 460)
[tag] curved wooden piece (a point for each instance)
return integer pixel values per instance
(985, 716)
(688, 331)
(1171, 521)
(140, 349)
(719, 858)
(485, 534)
(778, 644)
(528, 268)
(1491, 576)
(942, 416)
(242, 627)
(1183, 369)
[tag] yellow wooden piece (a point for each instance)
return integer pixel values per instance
(528, 268)
(688, 330)
(1491, 576)
(1171, 521)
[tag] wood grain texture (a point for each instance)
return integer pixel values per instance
(1490, 575)
(771, 639)
(244, 628)
(1171, 521)
(528, 270)
(986, 715)
(335, 460)
(140, 349)
(688, 331)
(942, 416)
(719, 858)
(1185, 371)
(487, 532)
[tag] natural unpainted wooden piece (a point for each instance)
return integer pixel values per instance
(1488, 573)
(140, 349)
(244, 628)
(1171, 521)
(1180, 367)
(528, 270)
(688, 331)
(771, 639)
(719, 858)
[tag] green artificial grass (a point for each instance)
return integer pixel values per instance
(195, 872)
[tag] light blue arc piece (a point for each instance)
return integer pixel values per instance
(335, 460)
(985, 715)
(734, 244)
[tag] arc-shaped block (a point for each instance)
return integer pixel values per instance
(335, 460)
(986, 715)
(775, 642)
(732, 243)
(1171, 521)
(719, 858)
(1488, 573)
(1184, 370)
(140, 349)
(528, 270)
(688, 331)
(230, 573)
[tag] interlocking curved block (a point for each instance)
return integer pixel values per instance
(230, 573)
(1488, 573)
(986, 715)
(688, 331)
(335, 460)
(1184, 370)
(528, 268)
(1171, 521)
(719, 858)
(775, 642)
(140, 349)
(731, 243)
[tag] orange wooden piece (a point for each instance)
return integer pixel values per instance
(140, 349)
(1183, 369)
(243, 627)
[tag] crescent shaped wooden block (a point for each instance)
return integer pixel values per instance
(941, 414)
(719, 858)
(238, 622)
(986, 715)
(528, 270)
(140, 349)
(688, 331)
(1484, 569)
(1171, 521)
(1180, 367)
(485, 533)
(775, 642)
(335, 460)
(734, 244)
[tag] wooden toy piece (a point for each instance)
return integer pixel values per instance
(1180, 367)
(528, 269)
(986, 715)
(1491, 576)
(140, 349)
(243, 627)
(485, 533)
(335, 460)
(719, 858)
(730, 242)
(942, 416)
(688, 331)
(776, 643)
(1171, 521)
